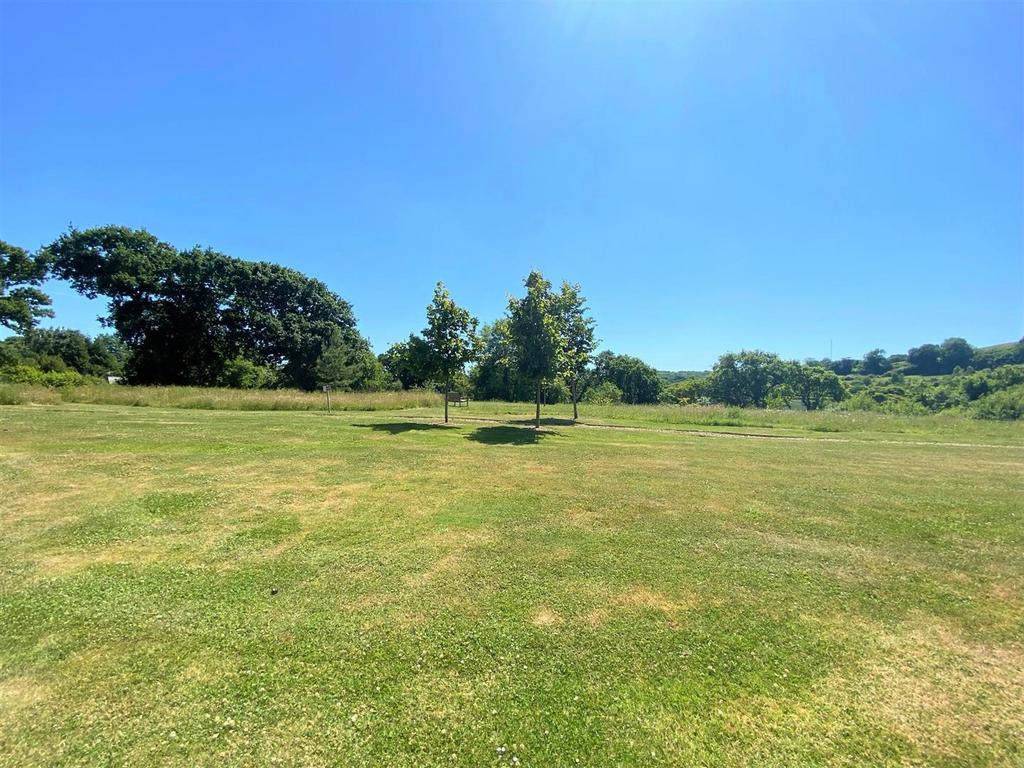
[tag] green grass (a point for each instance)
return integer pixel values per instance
(245, 588)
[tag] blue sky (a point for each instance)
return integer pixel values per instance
(716, 176)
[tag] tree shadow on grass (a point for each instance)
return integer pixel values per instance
(397, 427)
(508, 435)
(546, 422)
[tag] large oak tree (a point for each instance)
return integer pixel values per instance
(185, 314)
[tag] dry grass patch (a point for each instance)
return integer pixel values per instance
(943, 692)
(20, 692)
(545, 617)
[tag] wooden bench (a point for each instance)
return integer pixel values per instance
(456, 399)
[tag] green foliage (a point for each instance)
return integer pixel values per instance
(346, 368)
(450, 336)
(60, 349)
(875, 363)
(998, 355)
(1006, 405)
(955, 353)
(70, 346)
(496, 375)
(535, 330)
(688, 391)
(578, 339)
(638, 382)
(535, 327)
(672, 377)
(27, 374)
(929, 394)
(21, 301)
(185, 314)
(245, 374)
(816, 386)
(927, 360)
(408, 362)
(605, 393)
(748, 379)
(108, 354)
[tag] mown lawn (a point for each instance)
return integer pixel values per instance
(222, 588)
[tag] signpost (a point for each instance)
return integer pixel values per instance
(327, 389)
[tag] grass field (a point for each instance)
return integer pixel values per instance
(247, 588)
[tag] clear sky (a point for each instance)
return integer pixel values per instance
(716, 176)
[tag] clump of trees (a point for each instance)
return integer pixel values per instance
(990, 393)
(57, 350)
(543, 345)
(952, 355)
(204, 318)
(756, 379)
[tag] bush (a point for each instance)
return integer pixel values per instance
(686, 392)
(242, 373)
(1006, 405)
(26, 374)
(605, 393)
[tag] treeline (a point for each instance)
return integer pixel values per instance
(58, 350)
(199, 317)
(951, 356)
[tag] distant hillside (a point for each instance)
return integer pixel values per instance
(671, 377)
(1008, 346)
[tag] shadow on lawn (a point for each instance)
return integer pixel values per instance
(545, 422)
(508, 436)
(397, 427)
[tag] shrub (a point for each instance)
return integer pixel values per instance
(242, 373)
(686, 392)
(26, 374)
(1005, 405)
(605, 393)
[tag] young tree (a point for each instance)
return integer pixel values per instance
(451, 336)
(21, 302)
(535, 327)
(578, 340)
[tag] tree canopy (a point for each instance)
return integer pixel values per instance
(22, 303)
(185, 314)
(450, 336)
(535, 327)
(578, 341)
(638, 382)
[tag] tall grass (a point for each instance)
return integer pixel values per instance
(724, 418)
(216, 398)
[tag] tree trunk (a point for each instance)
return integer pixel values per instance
(575, 413)
(537, 422)
(447, 389)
